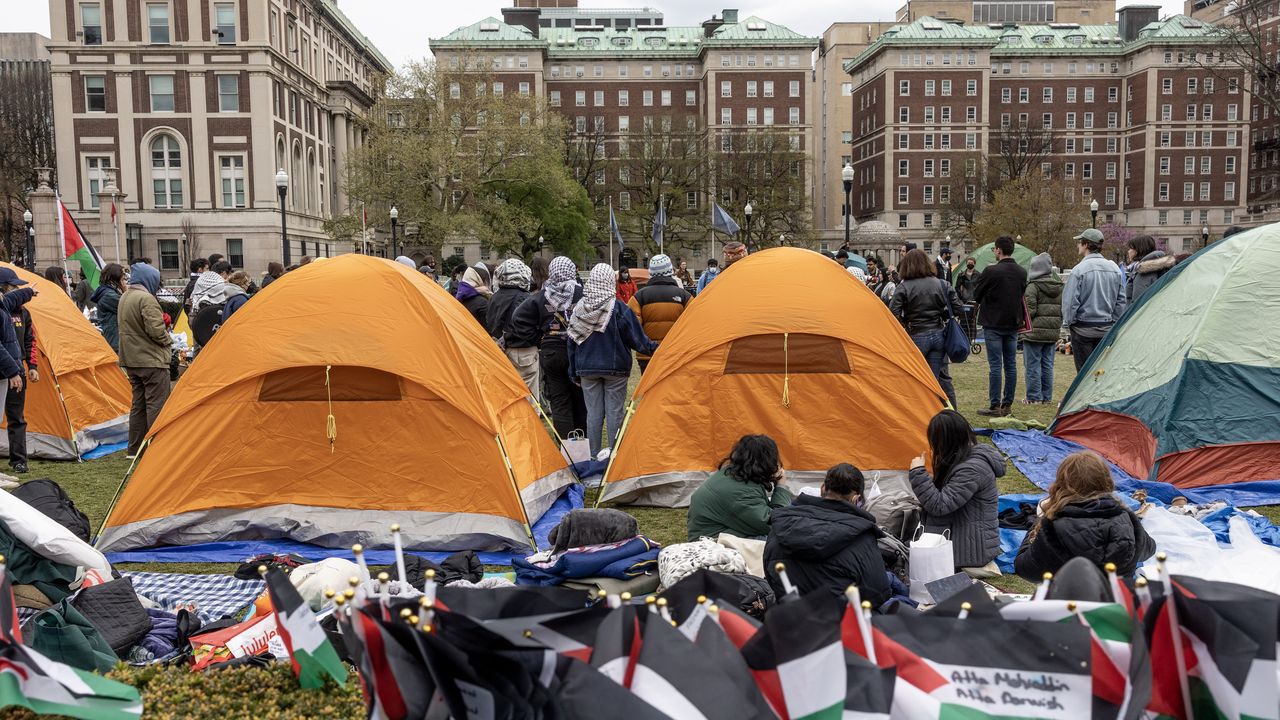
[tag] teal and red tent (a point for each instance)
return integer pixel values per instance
(1185, 389)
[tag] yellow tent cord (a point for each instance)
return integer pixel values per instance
(786, 370)
(331, 425)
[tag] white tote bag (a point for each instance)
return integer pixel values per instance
(577, 448)
(931, 558)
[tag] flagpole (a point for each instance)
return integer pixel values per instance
(364, 229)
(115, 228)
(62, 231)
(662, 234)
(611, 232)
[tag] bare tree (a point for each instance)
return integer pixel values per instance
(969, 188)
(1018, 148)
(190, 245)
(766, 168)
(26, 143)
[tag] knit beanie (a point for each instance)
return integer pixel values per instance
(660, 266)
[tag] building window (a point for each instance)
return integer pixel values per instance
(904, 168)
(726, 116)
(499, 89)
(96, 166)
(971, 87)
(235, 252)
(231, 172)
(597, 98)
(1164, 193)
(224, 17)
(166, 172)
(1230, 164)
(690, 98)
(91, 23)
(691, 200)
(554, 100)
(161, 87)
(524, 89)
(624, 200)
(624, 98)
(726, 88)
(95, 93)
(751, 88)
(158, 23)
(169, 255)
(795, 88)
(1229, 191)
(1006, 95)
(665, 98)
(1188, 191)
(929, 88)
(228, 93)
(946, 88)
(647, 98)
(904, 114)
(580, 98)
(1204, 191)
(793, 116)
(902, 219)
(903, 194)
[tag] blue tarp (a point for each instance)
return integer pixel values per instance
(240, 551)
(1037, 455)
(103, 451)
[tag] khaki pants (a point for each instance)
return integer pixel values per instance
(527, 363)
(150, 390)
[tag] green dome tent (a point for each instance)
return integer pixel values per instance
(986, 255)
(1185, 389)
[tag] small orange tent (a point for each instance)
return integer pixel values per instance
(788, 344)
(348, 395)
(82, 399)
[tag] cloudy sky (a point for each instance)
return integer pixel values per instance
(400, 28)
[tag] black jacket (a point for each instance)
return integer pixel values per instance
(826, 545)
(534, 323)
(501, 305)
(966, 285)
(12, 358)
(999, 295)
(920, 304)
(26, 331)
(186, 292)
(1101, 530)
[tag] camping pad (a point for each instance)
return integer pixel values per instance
(238, 551)
(1037, 455)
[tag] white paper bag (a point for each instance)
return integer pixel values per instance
(577, 448)
(931, 558)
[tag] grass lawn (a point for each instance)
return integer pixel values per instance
(92, 484)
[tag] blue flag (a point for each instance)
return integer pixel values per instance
(614, 232)
(721, 221)
(659, 222)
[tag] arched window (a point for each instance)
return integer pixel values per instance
(295, 177)
(312, 181)
(166, 172)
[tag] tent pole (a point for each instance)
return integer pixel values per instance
(613, 451)
(120, 491)
(511, 475)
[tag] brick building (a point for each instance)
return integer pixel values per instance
(182, 113)
(1134, 118)
(625, 81)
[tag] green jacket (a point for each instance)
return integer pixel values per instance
(144, 341)
(741, 509)
(1044, 304)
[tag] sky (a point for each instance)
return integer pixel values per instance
(400, 28)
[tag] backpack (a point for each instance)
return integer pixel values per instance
(894, 505)
(206, 322)
(49, 498)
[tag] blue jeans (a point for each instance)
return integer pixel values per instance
(932, 346)
(605, 396)
(1002, 354)
(1038, 358)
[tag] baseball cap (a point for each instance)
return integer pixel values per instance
(945, 251)
(1092, 235)
(9, 277)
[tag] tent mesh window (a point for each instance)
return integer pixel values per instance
(346, 383)
(794, 353)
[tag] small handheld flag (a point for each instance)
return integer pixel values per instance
(309, 650)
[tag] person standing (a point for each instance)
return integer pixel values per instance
(198, 268)
(602, 334)
(83, 293)
(1146, 266)
(923, 303)
(274, 271)
(999, 296)
(145, 349)
(659, 304)
(513, 278)
(1093, 299)
(733, 252)
(967, 283)
(107, 297)
(538, 268)
(684, 277)
(235, 294)
(713, 270)
(542, 321)
(626, 286)
(58, 276)
(18, 338)
(1040, 342)
(943, 264)
(473, 292)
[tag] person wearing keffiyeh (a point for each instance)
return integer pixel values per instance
(513, 278)
(473, 292)
(602, 335)
(542, 322)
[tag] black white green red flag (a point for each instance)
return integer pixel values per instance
(310, 652)
(76, 247)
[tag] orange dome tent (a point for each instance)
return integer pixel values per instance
(348, 395)
(82, 399)
(784, 343)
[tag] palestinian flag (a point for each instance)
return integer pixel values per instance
(309, 650)
(618, 641)
(582, 692)
(396, 681)
(1228, 636)
(572, 633)
(1121, 665)
(76, 246)
(33, 681)
(979, 668)
(10, 629)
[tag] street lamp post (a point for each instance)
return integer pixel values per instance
(846, 176)
(29, 251)
(1093, 210)
(1204, 236)
(747, 212)
(395, 218)
(282, 189)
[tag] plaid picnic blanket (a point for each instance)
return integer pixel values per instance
(215, 596)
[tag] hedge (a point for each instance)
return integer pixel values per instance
(238, 694)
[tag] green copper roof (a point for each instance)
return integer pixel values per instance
(1038, 39)
(490, 32)
(755, 30)
(667, 42)
(331, 7)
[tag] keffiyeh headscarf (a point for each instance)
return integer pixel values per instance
(858, 273)
(593, 311)
(514, 273)
(562, 281)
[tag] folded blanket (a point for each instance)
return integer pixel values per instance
(592, 526)
(620, 560)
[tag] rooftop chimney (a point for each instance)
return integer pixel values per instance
(730, 16)
(522, 17)
(1135, 17)
(709, 27)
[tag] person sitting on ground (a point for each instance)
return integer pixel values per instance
(659, 304)
(828, 542)
(111, 286)
(739, 498)
(960, 494)
(1083, 517)
(235, 293)
(712, 271)
(473, 291)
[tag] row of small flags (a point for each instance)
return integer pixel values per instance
(1182, 648)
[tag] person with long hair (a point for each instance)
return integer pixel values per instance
(1083, 517)
(829, 541)
(923, 303)
(58, 276)
(684, 277)
(1146, 265)
(739, 497)
(957, 492)
(111, 286)
(539, 267)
